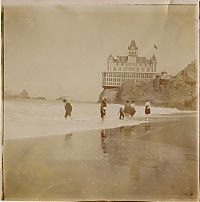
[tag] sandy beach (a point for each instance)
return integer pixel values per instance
(156, 160)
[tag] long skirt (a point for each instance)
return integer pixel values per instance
(132, 111)
(147, 110)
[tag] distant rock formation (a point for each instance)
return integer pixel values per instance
(62, 97)
(10, 94)
(24, 95)
(179, 91)
(38, 98)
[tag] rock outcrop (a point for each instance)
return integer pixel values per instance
(10, 94)
(38, 98)
(179, 91)
(110, 94)
(24, 94)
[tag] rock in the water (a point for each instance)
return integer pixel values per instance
(10, 94)
(24, 94)
(38, 98)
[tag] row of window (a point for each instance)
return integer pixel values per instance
(141, 64)
(138, 69)
(118, 83)
(111, 84)
(126, 75)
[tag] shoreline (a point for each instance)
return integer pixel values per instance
(138, 120)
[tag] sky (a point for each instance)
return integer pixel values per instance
(56, 50)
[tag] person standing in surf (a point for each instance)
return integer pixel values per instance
(132, 109)
(147, 109)
(121, 113)
(68, 108)
(103, 108)
(127, 107)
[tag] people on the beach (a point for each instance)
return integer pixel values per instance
(121, 113)
(103, 108)
(147, 109)
(132, 109)
(68, 108)
(127, 107)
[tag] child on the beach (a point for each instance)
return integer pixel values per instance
(121, 113)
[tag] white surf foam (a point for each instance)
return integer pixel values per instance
(34, 118)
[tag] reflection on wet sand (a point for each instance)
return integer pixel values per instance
(137, 162)
(103, 140)
(147, 126)
(68, 136)
(158, 162)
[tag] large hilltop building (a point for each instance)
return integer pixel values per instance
(131, 67)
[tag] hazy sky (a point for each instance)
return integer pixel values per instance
(62, 50)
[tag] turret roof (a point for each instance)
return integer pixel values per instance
(133, 45)
(110, 56)
(153, 56)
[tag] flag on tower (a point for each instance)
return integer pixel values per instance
(155, 46)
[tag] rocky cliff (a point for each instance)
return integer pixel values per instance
(179, 91)
(10, 94)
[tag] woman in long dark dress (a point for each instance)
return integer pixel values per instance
(132, 109)
(127, 107)
(68, 108)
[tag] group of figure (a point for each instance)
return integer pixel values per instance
(128, 110)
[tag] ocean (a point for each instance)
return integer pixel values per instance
(36, 118)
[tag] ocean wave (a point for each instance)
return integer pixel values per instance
(43, 118)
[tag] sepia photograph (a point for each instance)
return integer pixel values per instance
(100, 101)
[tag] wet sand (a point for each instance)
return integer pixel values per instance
(156, 160)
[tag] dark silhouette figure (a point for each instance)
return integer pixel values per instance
(121, 113)
(68, 108)
(127, 109)
(147, 109)
(103, 109)
(132, 109)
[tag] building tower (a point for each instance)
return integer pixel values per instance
(110, 62)
(154, 62)
(132, 52)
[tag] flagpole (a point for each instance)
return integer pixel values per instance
(155, 48)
